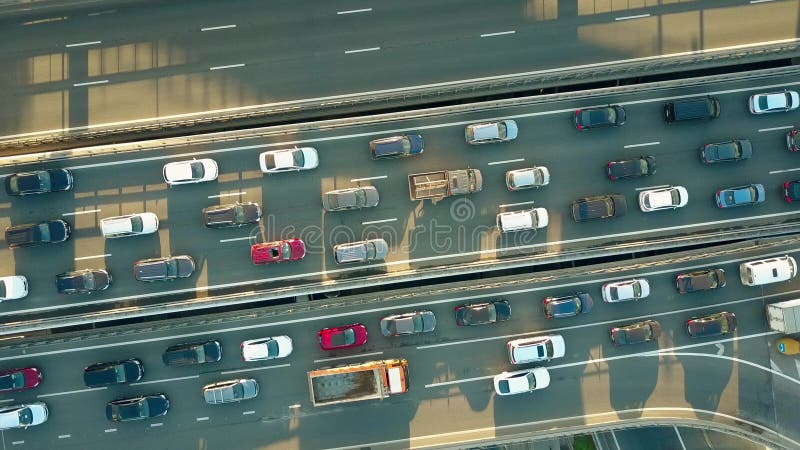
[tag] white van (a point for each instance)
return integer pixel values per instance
(130, 225)
(770, 270)
(527, 219)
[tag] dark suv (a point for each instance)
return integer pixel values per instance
(735, 150)
(115, 372)
(231, 215)
(39, 182)
(631, 168)
(164, 269)
(599, 207)
(193, 353)
(48, 232)
(83, 281)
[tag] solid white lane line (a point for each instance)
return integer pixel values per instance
(100, 13)
(63, 436)
(642, 145)
(81, 44)
(7, 400)
(245, 413)
(772, 172)
(71, 392)
(776, 128)
(200, 419)
(354, 11)
(361, 50)
(355, 180)
(379, 221)
(639, 16)
(652, 187)
(760, 1)
(228, 194)
(89, 83)
(110, 430)
(153, 425)
(92, 257)
(506, 161)
(678, 433)
(80, 212)
(230, 66)
(190, 377)
(235, 239)
(225, 372)
(498, 34)
(347, 357)
(221, 27)
(516, 204)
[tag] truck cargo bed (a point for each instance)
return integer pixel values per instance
(350, 386)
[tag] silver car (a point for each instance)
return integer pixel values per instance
(362, 251)
(408, 323)
(351, 198)
(230, 391)
(488, 132)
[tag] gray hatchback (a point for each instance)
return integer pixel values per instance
(164, 269)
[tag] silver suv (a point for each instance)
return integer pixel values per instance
(230, 391)
(362, 251)
(351, 198)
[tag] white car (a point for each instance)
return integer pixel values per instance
(622, 291)
(23, 416)
(267, 348)
(13, 287)
(130, 225)
(521, 381)
(290, 159)
(486, 133)
(194, 171)
(774, 102)
(527, 219)
(535, 349)
(665, 198)
(532, 177)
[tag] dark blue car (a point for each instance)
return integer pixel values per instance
(396, 146)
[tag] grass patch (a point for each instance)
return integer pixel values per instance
(583, 442)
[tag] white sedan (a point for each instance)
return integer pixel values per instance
(774, 102)
(665, 198)
(622, 291)
(13, 287)
(290, 159)
(193, 171)
(23, 416)
(267, 348)
(521, 381)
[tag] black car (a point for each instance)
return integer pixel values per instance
(599, 207)
(631, 168)
(567, 305)
(47, 232)
(115, 372)
(635, 333)
(396, 146)
(734, 150)
(231, 215)
(712, 325)
(83, 281)
(39, 182)
(599, 117)
(700, 280)
(791, 191)
(164, 269)
(193, 353)
(482, 313)
(792, 140)
(137, 408)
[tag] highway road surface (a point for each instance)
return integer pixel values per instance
(104, 62)
(451, 399)
(455, 231)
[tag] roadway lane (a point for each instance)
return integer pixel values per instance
(109, 62)
(455, 231)
(451, 397)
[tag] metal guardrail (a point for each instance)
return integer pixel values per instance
(284, 112)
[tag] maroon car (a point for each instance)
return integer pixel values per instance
(347, 336)
(20, 379)
(278, 251)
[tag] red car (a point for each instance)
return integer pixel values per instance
(347, 336)
(19, 379)
(278, 251)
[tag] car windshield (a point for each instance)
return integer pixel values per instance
(502, 130)
(3, 289)
(676, 197)
(286, 249)
(272, 347)
(119, 373)
(299, 159)
(25, 416)
(333, 200)
(88, 280)
(361, 197)
(417, 321)
(238, 390)
(172, 267)
(637, 289)
(136, 224)
(371, 250)
(138, 408)
(197, 169)
(238, 214)
(44, 231)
